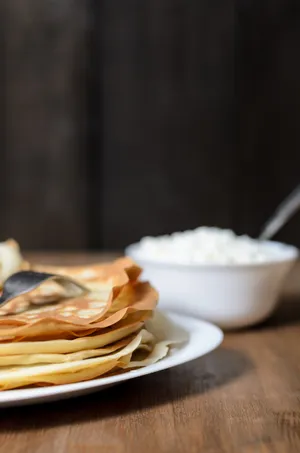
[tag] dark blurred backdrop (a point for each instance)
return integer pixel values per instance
(121, 118)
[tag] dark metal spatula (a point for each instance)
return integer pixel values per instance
(25, 281)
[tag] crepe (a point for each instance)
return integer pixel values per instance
(61, 346)
(98, 278)
(33, 359)
(52, 336)
(84, 368)
(95, 277)
(80, 316)
(41, 358)
(94, 272)
(67, 372)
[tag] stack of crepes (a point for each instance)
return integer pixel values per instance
(50, 336)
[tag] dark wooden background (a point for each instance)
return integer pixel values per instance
(121, 118)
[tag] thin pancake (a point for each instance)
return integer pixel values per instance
(103, 271)
(98, 278)
(82, 310)
(45, 322)
(67, 372)
(63, 331)
(159, 351)
(59, 346)
(89, 349)
(33, 359)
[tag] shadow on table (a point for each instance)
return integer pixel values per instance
(200, 376)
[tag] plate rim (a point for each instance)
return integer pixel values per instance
(180, 356)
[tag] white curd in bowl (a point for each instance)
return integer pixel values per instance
(206, 245)
(233, 281)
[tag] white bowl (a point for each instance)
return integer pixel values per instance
(231, 296)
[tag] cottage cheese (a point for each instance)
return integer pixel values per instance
(205, 245)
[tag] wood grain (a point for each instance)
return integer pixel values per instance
(242, 398)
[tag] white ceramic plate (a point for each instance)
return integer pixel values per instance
(201, 338)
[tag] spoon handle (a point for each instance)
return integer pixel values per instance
(283, 213)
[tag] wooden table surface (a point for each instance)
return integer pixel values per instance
(244, 397)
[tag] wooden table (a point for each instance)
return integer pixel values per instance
(242, 398)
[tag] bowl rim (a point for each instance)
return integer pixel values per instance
(291, 255)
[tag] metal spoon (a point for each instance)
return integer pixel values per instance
(283, 213)
(25, 281)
